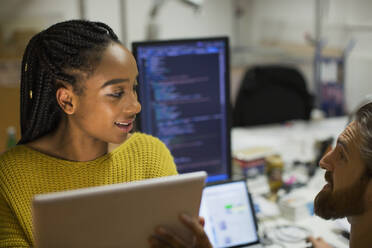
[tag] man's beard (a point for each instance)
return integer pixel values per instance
(341, 203)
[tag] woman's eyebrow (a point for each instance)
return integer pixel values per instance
(115, 81)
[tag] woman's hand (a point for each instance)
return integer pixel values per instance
(318, 242)
(165, 238)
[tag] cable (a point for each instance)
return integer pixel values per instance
(286, 234)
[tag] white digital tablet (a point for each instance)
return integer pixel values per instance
(118, 215)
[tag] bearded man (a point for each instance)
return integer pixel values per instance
(348, 192)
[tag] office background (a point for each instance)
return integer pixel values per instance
(260, 31)
(280, 32)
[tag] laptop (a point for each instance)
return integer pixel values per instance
(229, 214)
(118, 215)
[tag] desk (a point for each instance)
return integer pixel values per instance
(295, 142)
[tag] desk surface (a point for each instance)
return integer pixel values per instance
(295, 142)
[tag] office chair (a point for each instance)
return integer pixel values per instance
(272, 94)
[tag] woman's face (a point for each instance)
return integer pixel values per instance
(106, 109)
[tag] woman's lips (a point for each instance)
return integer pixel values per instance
(125, 128)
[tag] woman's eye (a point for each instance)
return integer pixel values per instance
(117, 94)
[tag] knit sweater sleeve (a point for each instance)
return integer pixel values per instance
(11, 233)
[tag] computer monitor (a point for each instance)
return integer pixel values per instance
(183, 87)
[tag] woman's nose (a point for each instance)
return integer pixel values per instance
(132, 105)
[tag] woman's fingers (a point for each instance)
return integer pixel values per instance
(194, 225)
(155, 243)
(164, 238)
(169, 238)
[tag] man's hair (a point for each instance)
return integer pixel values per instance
(64, 53)
(363, 120)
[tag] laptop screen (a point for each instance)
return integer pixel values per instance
(229, 215)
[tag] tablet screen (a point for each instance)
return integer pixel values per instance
(229, 215)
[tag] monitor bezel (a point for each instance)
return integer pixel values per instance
(228, 107)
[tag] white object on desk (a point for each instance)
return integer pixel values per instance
(294, 141)
(266, 208)
(298, 205)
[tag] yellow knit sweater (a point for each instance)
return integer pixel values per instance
(25, 172)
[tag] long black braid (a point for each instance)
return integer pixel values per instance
(58, 54)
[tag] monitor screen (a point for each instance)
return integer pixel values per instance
(184, 93)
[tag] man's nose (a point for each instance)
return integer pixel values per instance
(326, 161)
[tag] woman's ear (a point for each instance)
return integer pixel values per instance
(66, 99)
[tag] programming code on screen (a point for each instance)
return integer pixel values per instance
(182, 92)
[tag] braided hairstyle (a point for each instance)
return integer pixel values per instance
(63, 53)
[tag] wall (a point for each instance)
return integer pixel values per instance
(287, 21)
(34, 14)
(176, 20)
(9, 109)
(107, 11)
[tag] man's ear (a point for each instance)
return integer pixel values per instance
(368, 193)
(66, 99)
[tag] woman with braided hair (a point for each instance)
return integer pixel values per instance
(77, 95)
